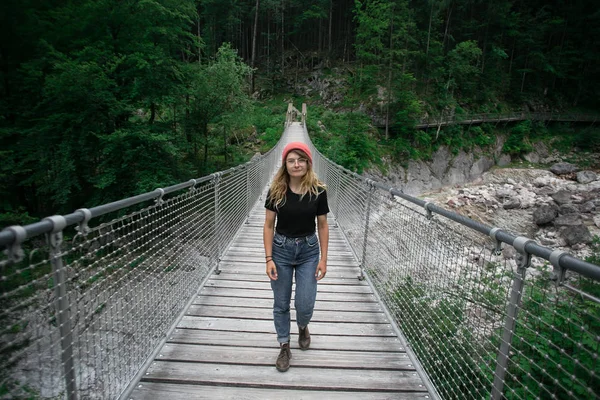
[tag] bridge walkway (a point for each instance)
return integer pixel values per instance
(225, 346)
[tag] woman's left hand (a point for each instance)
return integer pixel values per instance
(321, 270)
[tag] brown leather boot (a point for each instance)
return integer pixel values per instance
(304, 338)
(283, 360)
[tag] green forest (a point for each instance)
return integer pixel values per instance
(104, 99)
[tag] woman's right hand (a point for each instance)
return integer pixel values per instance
(271, 270)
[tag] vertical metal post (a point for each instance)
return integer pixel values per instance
(366, 235)
(304, 115)
(61, 303)
(217, 220)
(516, 293)
(337, 192)
(248, 195)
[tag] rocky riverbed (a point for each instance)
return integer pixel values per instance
(558, 207)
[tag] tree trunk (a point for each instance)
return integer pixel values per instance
(560, 52)
(389, 82)
(429, 30)
(282, 37)
(512, 55)
(188, 135)
(320, 47)
(225, 144)
(174, 117)
(205, 129)
(447, 27)
(254, 47)
(524, 74)
(329, 37)
(152, 112)
(199, 43)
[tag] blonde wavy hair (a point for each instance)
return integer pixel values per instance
(310, 183)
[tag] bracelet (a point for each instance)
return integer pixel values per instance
(268, 257)
(269, 260)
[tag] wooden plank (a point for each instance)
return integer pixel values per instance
(296, 378)
(225, 346)
(259, 265)
(268, 303)
(162, 391)
(331, 259)
(260, 276)
(266, 357)
(262, 339)
(267, 314)
(350, 274)
(257, 249)
(268, 294)
(322, 328)
(266, 285)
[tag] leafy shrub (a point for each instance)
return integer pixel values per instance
(517, 142)
(588, 139)
(554, 339)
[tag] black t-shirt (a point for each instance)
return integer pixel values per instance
(296, 218)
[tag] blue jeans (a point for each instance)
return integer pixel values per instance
(300, 255)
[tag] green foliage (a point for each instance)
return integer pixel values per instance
(129, 156)
(558, 331)
(448, 341)
(463, 68)
(517, 142)
(345, 138)
(588, 139)
(594, 258)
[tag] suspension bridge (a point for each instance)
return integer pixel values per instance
(164, 295)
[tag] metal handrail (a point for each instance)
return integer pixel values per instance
(473, 317)
(98, 306)
(86, 301)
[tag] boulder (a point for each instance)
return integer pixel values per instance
(459, 168)
(545, 214)
(532, 157)
(527, 197)
(563, 168)
(568, 220)
(483, 164)
(505, 193)
(586, 176)
(440, 162)
(568, 209)
(503, 160)
(587, 207)
(576, 234)
(544, 191)
(512, 203)
(562, 197)
(597, 220)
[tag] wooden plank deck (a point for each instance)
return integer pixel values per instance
(225, 346)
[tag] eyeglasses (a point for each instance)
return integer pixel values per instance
(292, 161)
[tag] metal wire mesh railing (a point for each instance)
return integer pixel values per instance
(481, 324)
(88, 298)
(86, 302)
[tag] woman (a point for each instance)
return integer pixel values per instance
(295, 198)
